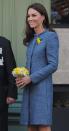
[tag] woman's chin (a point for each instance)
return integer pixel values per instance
(32, 26)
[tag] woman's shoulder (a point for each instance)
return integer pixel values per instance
(52, 39)
(51, 35)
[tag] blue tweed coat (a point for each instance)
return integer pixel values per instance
(42, 61)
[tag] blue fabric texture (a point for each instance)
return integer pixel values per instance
(42, 62)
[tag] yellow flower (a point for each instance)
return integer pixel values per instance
(25, 71)
(16, 70)
(38, 40)
(20, 71)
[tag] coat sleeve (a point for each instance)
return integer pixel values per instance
(9, 65)
(52, 50)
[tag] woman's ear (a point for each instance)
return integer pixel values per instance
(43, 17)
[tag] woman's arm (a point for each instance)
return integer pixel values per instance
(52, 50)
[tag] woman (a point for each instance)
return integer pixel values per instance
(42, 61)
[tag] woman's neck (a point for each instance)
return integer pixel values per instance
(39, 30)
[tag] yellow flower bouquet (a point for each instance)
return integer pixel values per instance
(20, 72)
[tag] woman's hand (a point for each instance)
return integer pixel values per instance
(21, 82)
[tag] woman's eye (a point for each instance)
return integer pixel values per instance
(33, 15)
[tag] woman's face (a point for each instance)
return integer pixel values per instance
(35, 19)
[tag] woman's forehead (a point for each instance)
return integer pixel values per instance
(33, 11)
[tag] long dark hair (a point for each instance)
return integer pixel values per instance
(29, 32)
